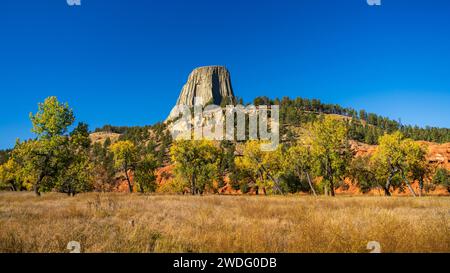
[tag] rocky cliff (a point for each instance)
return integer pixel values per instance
(211, 83)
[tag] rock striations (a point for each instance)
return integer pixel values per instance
(211, 83)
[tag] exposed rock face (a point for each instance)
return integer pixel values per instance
(438, 155)
(211, 83)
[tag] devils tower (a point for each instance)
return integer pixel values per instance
(211, 83)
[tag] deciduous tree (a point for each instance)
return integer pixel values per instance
(330, 149)
(125, 158)
(144, 175)
(395, 159)
(196, 162)
(263, 168)
(298, 159)
(52, 119)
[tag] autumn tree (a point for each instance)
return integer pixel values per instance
(330, 149)
(52, 119)
(263, 168)
(298, 159)
(125, 158)
(144, 175)
(41, 160)
(54, 159)
(415, 165)
(388, 159)
(44, 157)
(77, 173)
(196, 162)
(10, 175)
(394, 159)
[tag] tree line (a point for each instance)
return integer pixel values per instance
(66, 161)
(365, 127)
(319, 163)
(62, 158)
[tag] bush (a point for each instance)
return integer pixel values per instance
(442, 177)
(174, 185)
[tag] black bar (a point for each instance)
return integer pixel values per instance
(222, 262)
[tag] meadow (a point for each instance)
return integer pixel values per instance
(119, 222)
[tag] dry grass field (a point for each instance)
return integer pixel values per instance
(164, 223)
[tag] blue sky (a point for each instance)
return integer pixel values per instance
(124, 62)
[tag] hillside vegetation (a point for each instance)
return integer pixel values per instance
(363, 126)
(317, 156)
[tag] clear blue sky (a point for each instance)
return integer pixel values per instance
(124, 62)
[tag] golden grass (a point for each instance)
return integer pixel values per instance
(114, 222)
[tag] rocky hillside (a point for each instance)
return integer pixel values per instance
(100, 137)
(438, 155)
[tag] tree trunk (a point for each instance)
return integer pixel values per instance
(310, 184)
(13, 186)
(330, 178)
(410, 188)
(36, 190)
(420, 187)
(274, 180)
(332, 186)
(277, 185)
(408, 184)
(387, 186)
(130, 187)
(193, 185)
(38, 184)
(332, 189)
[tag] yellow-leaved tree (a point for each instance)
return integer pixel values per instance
(396, 159)
(196, 162)
(330, 150)
(262, 168)
(125, 158)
